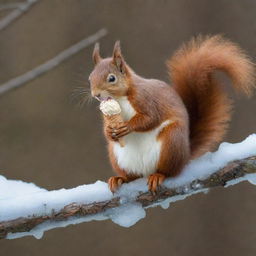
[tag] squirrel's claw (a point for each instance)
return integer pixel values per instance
(122, 132)
(115, 182)
(154, 181)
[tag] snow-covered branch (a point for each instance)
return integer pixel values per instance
(29, 210)
(20, 9)
(52, 63)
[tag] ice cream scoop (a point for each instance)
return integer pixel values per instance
(110, 107)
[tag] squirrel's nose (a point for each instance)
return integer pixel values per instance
(95, 94)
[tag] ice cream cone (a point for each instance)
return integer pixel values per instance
(111, 110)
(116, 119)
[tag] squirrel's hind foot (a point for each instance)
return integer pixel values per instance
(115, 182)
(154, 181)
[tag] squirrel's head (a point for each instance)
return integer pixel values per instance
(110, 76)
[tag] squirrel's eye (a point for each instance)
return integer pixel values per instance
(111, 78)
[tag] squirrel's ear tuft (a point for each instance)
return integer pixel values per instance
(96, 54)
(118, 59)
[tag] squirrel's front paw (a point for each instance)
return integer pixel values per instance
(154, 181)
(118, 130)
(115, 182)
(110, 134)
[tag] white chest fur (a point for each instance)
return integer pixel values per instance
(141, 152)
(127, 111)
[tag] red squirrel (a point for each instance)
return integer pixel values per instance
(166, 126)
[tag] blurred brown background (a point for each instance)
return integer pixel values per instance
(46, 139)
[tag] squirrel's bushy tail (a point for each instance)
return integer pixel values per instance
(191, 69)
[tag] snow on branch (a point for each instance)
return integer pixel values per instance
(26, 209)
(52, 63)
(20, 9)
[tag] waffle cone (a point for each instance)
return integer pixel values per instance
(116, 119)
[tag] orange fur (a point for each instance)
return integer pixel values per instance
(175, 151)
(192, 69)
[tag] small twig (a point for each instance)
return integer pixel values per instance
(232, 171)
(18, 5)
(50, 64)
(21, 9)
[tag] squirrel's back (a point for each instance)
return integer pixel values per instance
(192, 71)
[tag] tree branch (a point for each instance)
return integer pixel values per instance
(52, 63)
(233, 172)
(18, 5)
(21, 8)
